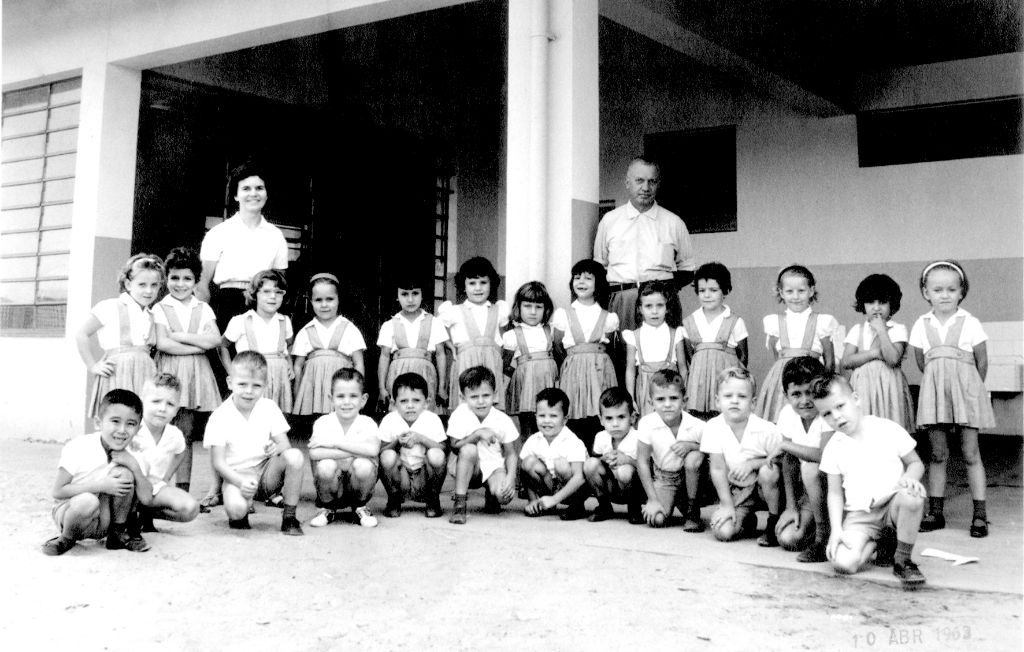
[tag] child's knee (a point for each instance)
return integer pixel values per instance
(693, 461)
(562, 469)
(534, 467)
(84, 506)
(792, 538)
(326, 470)
(235, 505)
(436, 458)
(907, 502)
(725, 532)
(189, 510)
(624, 475)
(122, 473)
(846, 561)
(388, 460)
(593, 468)
(363, 469)
(768, 476)
(939, 452)
(293, 458)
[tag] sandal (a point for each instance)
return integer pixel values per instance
(57, 546)
(979, 528)
(932, 522)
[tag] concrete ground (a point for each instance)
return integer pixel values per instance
(501, 582)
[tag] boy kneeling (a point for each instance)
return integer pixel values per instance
(874, 482)
(552, 461)
(611, 473)
(248, 441)
(98, 481)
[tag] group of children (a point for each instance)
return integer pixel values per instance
(809, 446)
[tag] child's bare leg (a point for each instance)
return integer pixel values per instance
(622, 483)
(536, 478)
(82, 513)
(326, 482)
(185, 421)
(853, 552)
(437, 470)
(465, 467)
(494, 487)
(362, 479)
(284, 474)
(121, 506)
(597, 474)
(235, 504)
(692, 465)
(937, 463)
(768, 484)
(391, 478)
(814, 487)
(173, 504)
(972, 458)
(729, 530)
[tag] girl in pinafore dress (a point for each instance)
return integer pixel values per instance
(584, 331)
(875, 349)
(714, 339)
(264, 330)
(186, 329)
(474, 326)
(329, 342)
(412, 341)
(796, 332)
(657, 344)
(124, 329)
(949, 344)
(529, 345)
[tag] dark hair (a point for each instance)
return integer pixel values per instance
(348, 374)
(554, 396)
(713, 272)
(667, 378)
(411, 381)
(881, 288)
(795, 270)
(952, 266)
(534, 292)
(738, 373)
(801, 371)
(124, 397)
(595, 269)
(476, 267)
(163, 379)
(275, 275)
(475, 377)
(184, 258)
(646, 160)
(253, 360)
(822, 385)
(243, 172)
(673, 309)
(406, 279)
(616, 396)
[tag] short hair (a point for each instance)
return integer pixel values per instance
(952, 266)
(163, 379)
(822, 385)
(673, 309)
(275, 275)
(411, 381)
(801, 371)
(251, 360)
(616, 396)
(184, 258)
(475, 377)
(716, 272)
(554, 396)
(881, 288)
(597, 270)
(737, 373)
(795, 270)
(243, 172)
(477, 267)
(645, 160)
(533, 292)
(124, 397)
(667, 378)
(140, 263)
(348, 374)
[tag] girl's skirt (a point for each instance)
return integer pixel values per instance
(474, 355)
(279, 387)
(643, 385)
(884, 392)
(952, 392)
(771, 398)
(314, 392)
(132, 368)
(702, 379)
(422, 366)
(585, 374)
(530, 377)
(198, 384)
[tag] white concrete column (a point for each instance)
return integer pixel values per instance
(566, 228)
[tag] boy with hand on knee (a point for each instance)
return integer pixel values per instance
(874, 483)
(249, 448)
(611, 473)
(344, 449)
(161, 447)
(552, 461)
(669, 454)
(413, 461)
(99, 482)
(804, 436)
(483, 440)
(738, 444)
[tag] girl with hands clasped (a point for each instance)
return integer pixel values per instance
(528, 344)
(658, 343)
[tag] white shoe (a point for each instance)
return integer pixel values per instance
(366, 518)
(322, 518)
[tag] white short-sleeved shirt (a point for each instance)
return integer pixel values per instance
(651, 430)
(183, 311)
(653, 342)
(872, 465)
(760, 437)
(427, 424)
(796, 322)
(971, 335)
(792, 427)
(603, 443)
(107, 313)
(157, 455)
(329, 433)
(268, 334)
(244, 439)
(565, 446)
(463, 423)
(637, 246)
(709, 330)
(897, 333)
(84, 457)
(536, 339)
(451, 316)
(438, 334)
(351, 339)
(241, 252)
(588, 316)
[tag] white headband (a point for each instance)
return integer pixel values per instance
(942, 263)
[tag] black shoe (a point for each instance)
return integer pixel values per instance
(57, 546)
(393, 509)
(120, 539)
(574, 513)
(909, 574)
(979, 528)
(636, 514)
(146, 523)
(433, 508)
(491, 504)
(768, 539)
(885, 550)
(693, 522)
(240, 524)
(291, 526)
(932, 522)
(815, 555)
(604, 512)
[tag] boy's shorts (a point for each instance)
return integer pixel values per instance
(669, 488)
(346, 492)
(871, 522)
(485, 468)
(418, 486)
(259, 473)
(94, 530)
(746, 501)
